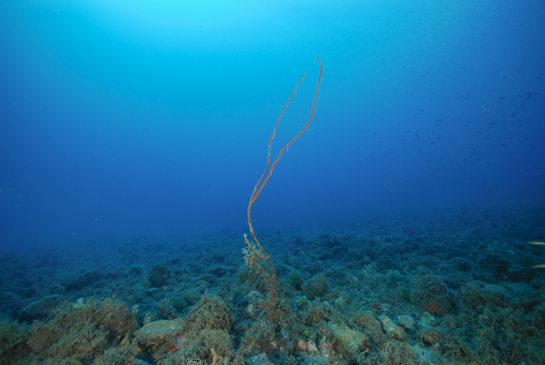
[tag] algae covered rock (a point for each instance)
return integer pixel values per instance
(406, 322)
(158, 332)
(191, 296)
(13, 336)
(209, 313)
(431, 293)
(219, 270)
(348, 341)
(80, 330)
(41, 308)
(253, 304)
(159, 275)
(392, 329)
(316, 287)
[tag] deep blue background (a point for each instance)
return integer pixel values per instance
(120, 119)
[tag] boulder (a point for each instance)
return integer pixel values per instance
(158, 332)
(40, 309)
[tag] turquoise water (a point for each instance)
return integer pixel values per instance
(122, 119)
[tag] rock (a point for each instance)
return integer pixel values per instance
(426, 320)
(157, 332)
(326, 348)
(396, 332)
(385, 307)
(141, 362)
(201, 286)
(218, 270)
(406, 322)
(56, 289)
(311, 346)
(78, 304)
(348, 341)
(316, 359)
(434, 308)
(430, 336)
(340, 302)
(314, 267)
(192, 296)
(41, 308)
(254, 305)
(254, 297)
(259, 360)
(253, 310)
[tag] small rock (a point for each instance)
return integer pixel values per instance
(218, 270)
(434, 308)
(406, 322)
(311, 346)
(314, 267)
(430, 336)
(426, 319)
(385, 307)
(254, 304)
(141, 362)
(259, 360)
(253, 310)
(326, 348)
(396, 332)
(192, 296)
(340, 302)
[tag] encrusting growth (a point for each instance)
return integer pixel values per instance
(253, 254)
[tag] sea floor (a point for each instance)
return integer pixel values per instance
(451, 287)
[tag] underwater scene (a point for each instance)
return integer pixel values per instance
(272, 182)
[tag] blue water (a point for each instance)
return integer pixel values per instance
(122, 119)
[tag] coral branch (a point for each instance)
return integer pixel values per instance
(252, 254)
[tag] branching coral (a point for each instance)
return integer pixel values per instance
(255, 254)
